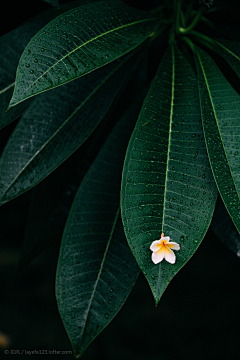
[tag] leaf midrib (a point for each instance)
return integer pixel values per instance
(229, 51)
(209, 93)
(89, 41)
(101, 268)
(6, 88)
(169, 136)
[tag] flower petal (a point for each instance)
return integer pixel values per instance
(173, 245)
(155, 245)
(165, 238)
(158, 256)
(169, 255)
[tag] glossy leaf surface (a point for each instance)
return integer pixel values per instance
(56, 124)
(12, 45)
(78, 42)
(220, 117)
(230, 50)
(96, 269)
(223, 226)
(51, 200)
(167, 184)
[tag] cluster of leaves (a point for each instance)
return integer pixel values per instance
(171, 143)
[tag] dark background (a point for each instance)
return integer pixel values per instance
(198, 316)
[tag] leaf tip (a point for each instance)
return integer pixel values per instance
(156, 300)
(77, 354)
(11, 104)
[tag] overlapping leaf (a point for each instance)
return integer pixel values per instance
(54, 3)
(230, 50)
(12, 45)
(223, 226)
(220, 116)
(167, 184)
(78, 42)
(51, 200)
(56, 124)
(96, 269)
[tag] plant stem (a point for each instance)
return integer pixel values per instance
(177, 9)
(158, 32)
(188, 42)
(205, 40)
(208, 22)
(158, 9)
(192, 25)
(171, 36)
(183, 20)
(189, 10)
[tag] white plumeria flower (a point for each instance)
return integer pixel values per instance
(162, 250)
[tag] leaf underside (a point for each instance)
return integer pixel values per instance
(220, 117)
(77, 42)
(96, 269)
(167, 184)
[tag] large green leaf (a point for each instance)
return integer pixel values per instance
(230, 50)
(12, 45)
(56, 124)
(167, 184)
(223, 226)
(220, 116)
(96, 269)
(78, 42)
(51, 200)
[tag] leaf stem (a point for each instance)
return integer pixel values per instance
(189, 10)
(218, 8)
(157, 10)
(183, 22)
(184, 31)
(189, 43)
(158, 32)
(208, 22)
(171, 36)
(177, 9)
(205, 40)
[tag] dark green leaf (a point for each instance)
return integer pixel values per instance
(56, 124)
(167, 184)
(12, 45)
(224, 228)
(51, 200)
(77, 42)
(52, 13)
(48, 210)
(220, 117)
(230, 50)
(54, 3)
(96, 269)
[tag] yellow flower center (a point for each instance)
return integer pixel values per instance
(164, 242)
